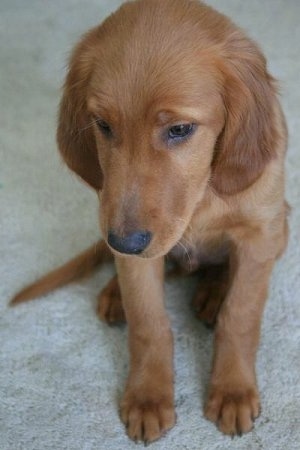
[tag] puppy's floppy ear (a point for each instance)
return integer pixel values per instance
(75, 138)
(247, 142)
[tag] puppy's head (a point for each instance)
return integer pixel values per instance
(161, 103)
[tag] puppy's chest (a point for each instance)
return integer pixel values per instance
(207, 248)
(205, 241)
(190, 258)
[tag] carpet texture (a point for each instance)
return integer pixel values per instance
(61, 370)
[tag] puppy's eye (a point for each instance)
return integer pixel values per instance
(104, 127)
(180, 131)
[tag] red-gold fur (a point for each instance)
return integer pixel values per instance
(216, 199)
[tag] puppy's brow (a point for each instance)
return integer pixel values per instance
(163, 117)
(100, 104)
(187, 114)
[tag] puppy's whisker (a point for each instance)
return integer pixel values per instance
(187, 242)
(188, 226)
(89, 125)
(187, 253)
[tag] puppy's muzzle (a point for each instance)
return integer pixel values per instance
(132, 244)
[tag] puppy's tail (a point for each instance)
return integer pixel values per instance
(79, 267)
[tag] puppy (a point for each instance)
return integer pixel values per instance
(170, 115)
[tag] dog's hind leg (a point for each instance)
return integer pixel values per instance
(110, 308)
(211, 291)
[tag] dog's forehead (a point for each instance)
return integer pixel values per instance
(143, 58)
(142, 84)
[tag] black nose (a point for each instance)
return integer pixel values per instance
(132, 244)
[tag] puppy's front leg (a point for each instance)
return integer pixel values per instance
(233, 400)
(147, 407)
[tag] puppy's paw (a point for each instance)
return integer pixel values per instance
(147, 420)
(233, 410)
(110, 308)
